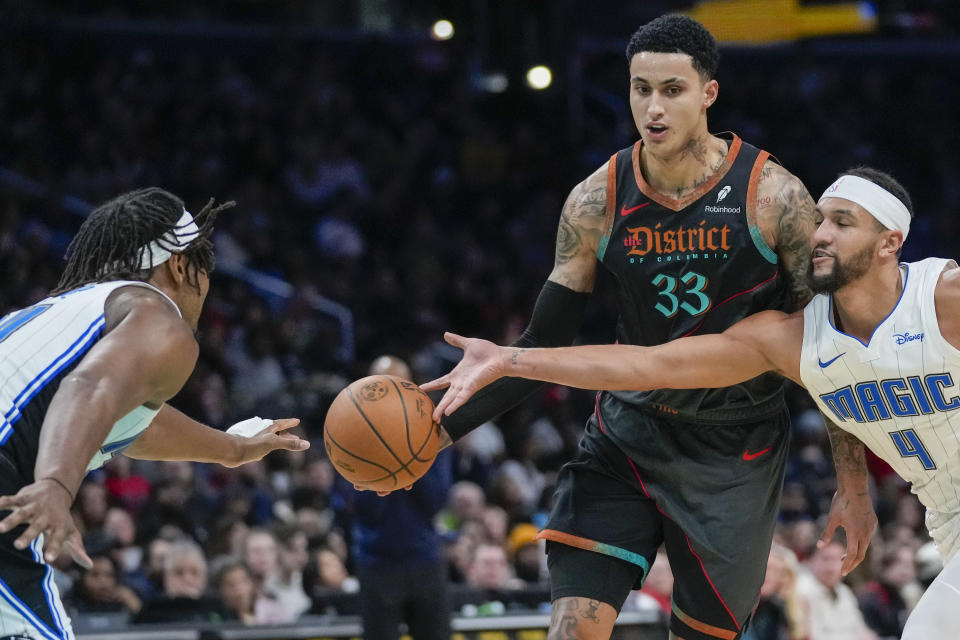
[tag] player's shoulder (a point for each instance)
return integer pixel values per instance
(948, 286)
(776, 180)
(769, 325)
(148, 308)
(588, 199)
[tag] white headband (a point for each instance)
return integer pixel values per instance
(174, 241)
(880, 203)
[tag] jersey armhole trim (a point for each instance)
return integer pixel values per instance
(752, 188)
(611, 207)
(928, 313)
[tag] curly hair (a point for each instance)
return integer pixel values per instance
(677, 33)
(111, 239)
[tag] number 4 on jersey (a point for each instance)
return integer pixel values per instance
(909, 445)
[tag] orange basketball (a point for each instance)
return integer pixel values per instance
(379, 433)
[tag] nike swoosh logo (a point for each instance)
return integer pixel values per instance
(750, 456)
(625, 212)
(824, 365)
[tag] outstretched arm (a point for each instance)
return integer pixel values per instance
(767, 341)
(559, 309)
(175, 436)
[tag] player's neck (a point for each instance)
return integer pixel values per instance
(679, 174)
(861, 307)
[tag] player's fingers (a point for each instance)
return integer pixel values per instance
(439, 383)
(291, 443)
(282, 424)
(74, 546)
(16, 517)
(463, 394)
(850, 557)
(28, 536)
(453, 339)
(828, 532)
(9, 502)
(441, 408)
(52, 542)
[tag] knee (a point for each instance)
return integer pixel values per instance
(581, 619)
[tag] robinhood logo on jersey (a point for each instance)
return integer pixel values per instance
(701, 242)
(714, 208)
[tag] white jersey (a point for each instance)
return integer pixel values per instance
(40, 345)
(897, 393)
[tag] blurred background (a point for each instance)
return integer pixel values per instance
(399, 169)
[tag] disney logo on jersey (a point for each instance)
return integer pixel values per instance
(642, 240)
(906, 336)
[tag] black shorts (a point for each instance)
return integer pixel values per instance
(30, 605)
(709, 493)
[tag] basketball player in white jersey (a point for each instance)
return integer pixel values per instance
(878, 350)
(85, 374)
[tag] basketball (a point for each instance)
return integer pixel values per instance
(379, 433)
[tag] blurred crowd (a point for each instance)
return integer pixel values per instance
(376, 174)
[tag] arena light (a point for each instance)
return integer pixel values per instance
(539, 77)
(496, 82)
(442, 30)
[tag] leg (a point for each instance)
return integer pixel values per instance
(380, 604)
(720, 524)
(602, 535)
(427, 605)
(935, 617)
(574, 618)
(588, 589)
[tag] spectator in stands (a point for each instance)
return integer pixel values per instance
(489, 569)
(527, 553)
(184, 596)
(327, 573)
(235, 588)
(465, 502)
(262, 558)
(286, 584)
(882, 602)
(779, 614)
(99, 590)
(398, 553)
(831, 608)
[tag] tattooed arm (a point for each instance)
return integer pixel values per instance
(785, 217)
(852, 507)
(559, 309)
(578, 236)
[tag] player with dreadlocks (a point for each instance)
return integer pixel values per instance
(85, 374)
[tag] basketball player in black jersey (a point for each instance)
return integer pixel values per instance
(144, 355)
(699, 231)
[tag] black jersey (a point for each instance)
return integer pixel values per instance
(692, 266)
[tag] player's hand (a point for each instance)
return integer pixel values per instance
(482, 363)
(381, 493)
(270, 439)
(44, 506)
(854, 512)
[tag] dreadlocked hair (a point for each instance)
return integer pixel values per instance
(110, 241)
